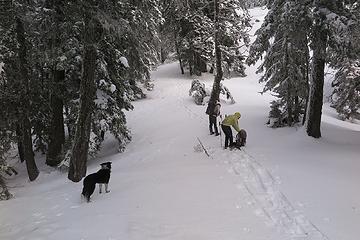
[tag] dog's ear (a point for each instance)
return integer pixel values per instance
(106, 165)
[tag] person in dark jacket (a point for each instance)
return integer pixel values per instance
(213, 110)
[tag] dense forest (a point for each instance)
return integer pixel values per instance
(70, 69)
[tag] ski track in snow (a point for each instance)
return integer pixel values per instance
(270, 201)
(260, 186)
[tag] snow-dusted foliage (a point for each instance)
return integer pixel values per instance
(289, 29)
(225, 91)
(6, 138)
(283, 37)
(330, 34)
(255, 3)
(194, 36)
(276, 114)
(234, 24)
(53, 51)
(140, 43)
(346, 97)
(197, 91)
(192, 25)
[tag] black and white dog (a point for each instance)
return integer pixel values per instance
(102, 177)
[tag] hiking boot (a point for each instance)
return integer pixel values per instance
(211, 133)
(217, 134)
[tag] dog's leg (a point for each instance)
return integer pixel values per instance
(106, 188)
(100, 188)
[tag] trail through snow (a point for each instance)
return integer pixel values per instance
(253, 181)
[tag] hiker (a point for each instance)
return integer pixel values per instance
(213, 110)
(231, 120)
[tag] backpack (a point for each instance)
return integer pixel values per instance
(210, 108)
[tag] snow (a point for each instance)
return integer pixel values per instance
(112, 88)
(124, 62)
(283, 186)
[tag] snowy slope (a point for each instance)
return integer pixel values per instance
(284, 186)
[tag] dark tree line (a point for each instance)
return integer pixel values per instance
(69, 71)
(210, 35)
(190, 28)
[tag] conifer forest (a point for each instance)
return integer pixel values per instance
(70, 70)
(203, 119)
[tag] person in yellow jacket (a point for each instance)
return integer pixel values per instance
(227, 123)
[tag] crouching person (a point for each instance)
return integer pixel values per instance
(227, 123)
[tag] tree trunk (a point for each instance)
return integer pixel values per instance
(32, 169)
(289, 105)
(197, 62)
(20, 144)
(178, 54)
(307, 90)
(191, 63)
(92, 35)
(289, 88)
(78, 160)
(203, 66)
(296, 109)
(163, 54)
(215, 93)
(57, 131)
(317, 81)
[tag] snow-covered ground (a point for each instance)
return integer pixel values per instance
(283, 186)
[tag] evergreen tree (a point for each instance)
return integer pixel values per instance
(17, 84)
(194, 35)
(91, 36)
(6, 138)
(218, 57)
(332, 21)
(122, 56)
(283, 37)
(5, 169)
(126, 47)
(234, 24)
(141, 45)
(347, 89)
(255, 3)
(327, 25)
(50, 24)
(192, 23)
(346, 96)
